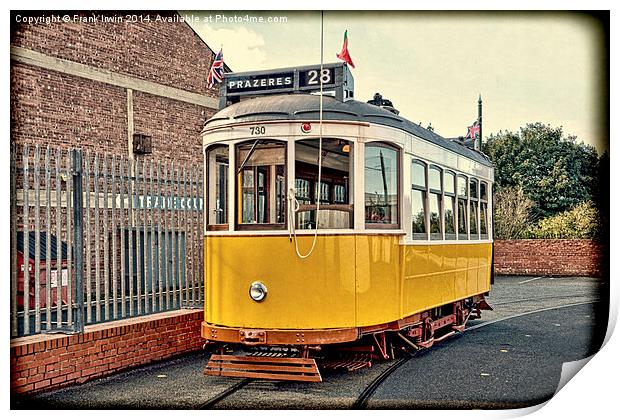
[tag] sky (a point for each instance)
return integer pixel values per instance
(544, 67)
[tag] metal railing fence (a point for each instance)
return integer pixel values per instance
(98, 237)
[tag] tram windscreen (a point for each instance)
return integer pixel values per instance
(261, 187)
(335, 208)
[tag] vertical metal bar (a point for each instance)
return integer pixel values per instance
(48, 243)
(139, 259)
(173, 233)
(200, 242)
(130, 222)
(96, 178)
(106, 243)
(160, 202)
(14, 240)
(78, 237)
(37, 239)
(165, 243)
(152, 217)
(192, 237)
(59, 256)
(26, 267)
(121, 189)
(70, 268)
(144, 243)
(89, 254)
(187, 214)
(114, 244)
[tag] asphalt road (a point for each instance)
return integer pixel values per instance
(510, 358)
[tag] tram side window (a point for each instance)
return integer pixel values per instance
(434, 186)
(418, 200)
(217, 179)
(473, 209)
(335, 206)
(381, 174)
(261, 184)
(484, 232)
(448, 211)
(461, 190)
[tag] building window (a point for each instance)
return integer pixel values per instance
(461, 190)
(261, 169)
(217, 185)
(473, 209)
(434, 187)
(449, 214)
(484, 230)
(418, 200)
(381, 174)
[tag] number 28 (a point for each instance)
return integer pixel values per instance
(313, 77)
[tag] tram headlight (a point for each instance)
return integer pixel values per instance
(258, 291)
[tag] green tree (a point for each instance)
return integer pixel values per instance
(555, 171)
(511, 216)
(581, 222)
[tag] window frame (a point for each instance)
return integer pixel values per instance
(486, 202)
(435, 236)
(477, 208)
(216, 226)
(462, 236)
(239, 182)
(399, 159)
(452, 196)
(418, 236)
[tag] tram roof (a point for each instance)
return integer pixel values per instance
(305, 107)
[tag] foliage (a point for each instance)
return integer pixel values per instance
(511, 214)
(554, 171)
(581, 222)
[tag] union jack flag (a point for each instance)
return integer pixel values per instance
(473, 131)
(216, 74)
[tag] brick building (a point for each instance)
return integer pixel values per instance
(96, 84)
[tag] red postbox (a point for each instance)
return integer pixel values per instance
(56, 276)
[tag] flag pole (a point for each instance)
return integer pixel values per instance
(479, 142)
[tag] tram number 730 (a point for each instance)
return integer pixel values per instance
(257, 130)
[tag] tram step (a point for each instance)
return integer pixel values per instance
(276, 368)
(350, 364)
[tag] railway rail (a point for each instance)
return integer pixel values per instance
(364, 397)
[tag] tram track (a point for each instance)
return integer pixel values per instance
(362, 400)
(501, 303)
(369, 390)
(211, 402)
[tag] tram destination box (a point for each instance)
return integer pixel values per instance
(335, 77)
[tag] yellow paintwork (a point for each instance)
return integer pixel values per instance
(348, 281)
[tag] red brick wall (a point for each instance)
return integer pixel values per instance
(49, 107)
(548, 257)
(169, 53)
(44, 362)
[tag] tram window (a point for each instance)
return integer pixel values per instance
(261, 179)
(335, 208)
(381, 173)
(418, 200)
(473, 209)
(448, 210)
(434, 185)
(461, 189)
(484, 233)
(217, 179)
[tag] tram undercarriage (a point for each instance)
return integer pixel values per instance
(301, 355)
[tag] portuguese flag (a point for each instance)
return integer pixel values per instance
(344, 54)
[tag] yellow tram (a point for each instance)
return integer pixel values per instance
(334, 226)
